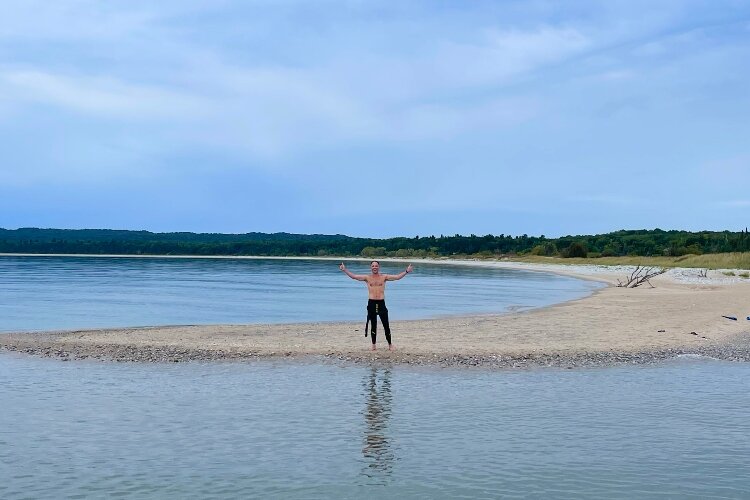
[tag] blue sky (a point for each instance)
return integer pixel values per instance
(375, 118)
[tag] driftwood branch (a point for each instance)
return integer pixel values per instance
(641, 275)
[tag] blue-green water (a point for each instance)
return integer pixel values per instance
(306, 430)
(43, 293)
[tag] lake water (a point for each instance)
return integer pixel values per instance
(305, 430)
(43, 293)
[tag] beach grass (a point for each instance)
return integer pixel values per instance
(734, 260)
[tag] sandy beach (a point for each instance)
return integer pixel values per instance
(680, 315)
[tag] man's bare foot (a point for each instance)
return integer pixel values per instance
(373, 348)
(391, 347)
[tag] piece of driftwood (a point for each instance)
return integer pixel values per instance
(703, 273)
(641, 275)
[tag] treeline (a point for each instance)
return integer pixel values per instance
(105, 241)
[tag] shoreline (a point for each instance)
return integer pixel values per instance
(682, 315)
(737, 350)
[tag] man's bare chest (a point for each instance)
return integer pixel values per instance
(375, 283)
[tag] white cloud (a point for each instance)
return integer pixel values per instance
(150, 71)
(272, 111)
(393, 97)
(103, 96)
(450, 67)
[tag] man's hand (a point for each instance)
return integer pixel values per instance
(342, 267)
(409, 269)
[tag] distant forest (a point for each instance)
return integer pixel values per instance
(619, 243)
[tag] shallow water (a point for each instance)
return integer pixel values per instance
(307, 430)
(44, 293)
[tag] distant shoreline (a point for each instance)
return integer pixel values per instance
(670, 244)
(590, 271)
(682, 315)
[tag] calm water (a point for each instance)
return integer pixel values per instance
(280, 429)
(273, 429)
(38, 293)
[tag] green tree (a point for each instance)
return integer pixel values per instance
(576, 249)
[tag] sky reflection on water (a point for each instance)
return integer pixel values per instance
(43, 293)
(306, 430)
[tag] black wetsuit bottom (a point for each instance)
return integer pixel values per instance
(377, 308)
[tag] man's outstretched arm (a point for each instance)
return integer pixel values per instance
(396, 277)
(358, 277)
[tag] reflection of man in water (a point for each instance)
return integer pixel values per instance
(376, 297)
(377, 449)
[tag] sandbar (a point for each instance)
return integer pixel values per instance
(682, 314)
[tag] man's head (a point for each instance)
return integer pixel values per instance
(375, 267)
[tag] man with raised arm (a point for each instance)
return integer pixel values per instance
(376, 297)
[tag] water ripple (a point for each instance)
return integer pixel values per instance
(38, 293)
(82, 430)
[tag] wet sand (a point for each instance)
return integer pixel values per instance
(681, 315)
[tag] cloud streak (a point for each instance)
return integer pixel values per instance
(133, 62)
(269, 112)
(100, 96)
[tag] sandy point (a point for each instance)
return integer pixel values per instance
(681, 314)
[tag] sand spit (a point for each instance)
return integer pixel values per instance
(681, 315)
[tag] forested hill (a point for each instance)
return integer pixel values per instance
(107, 241)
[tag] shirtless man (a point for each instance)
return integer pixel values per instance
(376, 295)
